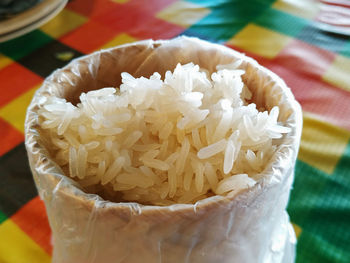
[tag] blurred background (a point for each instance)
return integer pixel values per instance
(306, 42)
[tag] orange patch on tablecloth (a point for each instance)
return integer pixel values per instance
(302, 67)
(15, 80)
(329, 103)
(32, 219)
(152, 7)
(140, 22)
(89, 37)
(9, 137)
(305, 59)
(156, 29)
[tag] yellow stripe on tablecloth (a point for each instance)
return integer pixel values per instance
(4, 61)
(120, 1)
(183, 13)
(63, 23)
(120, 39)
(260, 41)
(17, 247)
(338, 73)
(15, 112)
(302, 8)
(322, 144)
(297, 230)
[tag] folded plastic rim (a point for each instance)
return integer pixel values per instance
(252, 226)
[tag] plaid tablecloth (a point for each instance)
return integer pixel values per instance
(306, 42)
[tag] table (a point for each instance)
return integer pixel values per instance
(306, 42)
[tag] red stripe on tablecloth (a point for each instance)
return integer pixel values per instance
(156, 29)
(15, 80)
(343, 3)
(301, 66)
(304, 59)
(32, 219)
(330, 103)
(89, 8)
(140, 21)
(89, 37)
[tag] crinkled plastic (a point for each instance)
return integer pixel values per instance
(252, 226)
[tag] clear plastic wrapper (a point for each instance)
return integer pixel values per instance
(252, 226)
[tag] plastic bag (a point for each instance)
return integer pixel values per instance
(252, 226)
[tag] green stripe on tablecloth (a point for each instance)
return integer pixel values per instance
(346, 50)
(320, 205)
(307, 188)
(324, 37)
(44, 60)
(24, 45)
(312, 248)
(2, 217)
(16, 181)
(342, 170)
(281, 22)
(226, 18)
(314, 33)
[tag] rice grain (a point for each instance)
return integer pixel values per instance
(161, 142)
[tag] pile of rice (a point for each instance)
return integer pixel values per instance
(161, 142)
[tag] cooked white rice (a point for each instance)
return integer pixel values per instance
(160, 142)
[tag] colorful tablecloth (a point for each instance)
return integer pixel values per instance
(306, 42)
